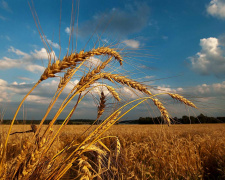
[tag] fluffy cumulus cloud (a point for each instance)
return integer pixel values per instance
(217, 8)
(211, 90)
(42, 54)
(211, 58)
(25, 60)
(132, 43)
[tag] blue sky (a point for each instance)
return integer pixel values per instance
(178, 46)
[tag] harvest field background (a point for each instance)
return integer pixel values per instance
(151, 151)
(101, 67)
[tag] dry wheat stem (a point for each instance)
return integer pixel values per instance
(182, 99)
(113, 114)
(104, 125)
(62, 125)
(55, 99)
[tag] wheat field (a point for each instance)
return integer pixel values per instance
(148, 151)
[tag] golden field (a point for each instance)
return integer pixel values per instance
(147, 151)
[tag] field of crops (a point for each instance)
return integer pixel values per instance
(144, 151)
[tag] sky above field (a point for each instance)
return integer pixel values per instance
(176, 46)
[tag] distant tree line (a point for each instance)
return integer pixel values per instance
(142, 120)
(183, 120)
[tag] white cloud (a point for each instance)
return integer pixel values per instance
(25, 60)
(4, 96)
(3, 82)
(93, 62)
(35, 68)
(67, 30)
(162, 90)
(211, 59)
(42, 54)
(216, 8)
(38, 99)
(15, 83)
(216, 89)
(7, 63)
(55, 45)
(18, 52)
(132, 43)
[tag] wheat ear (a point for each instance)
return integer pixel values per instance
(101, 107)
(113, 92)
(182, 99)
(84, 168)
(162, 109)
(118, 148)
(33, 159)
(65, 77)
(124, 80)
(75, 58)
